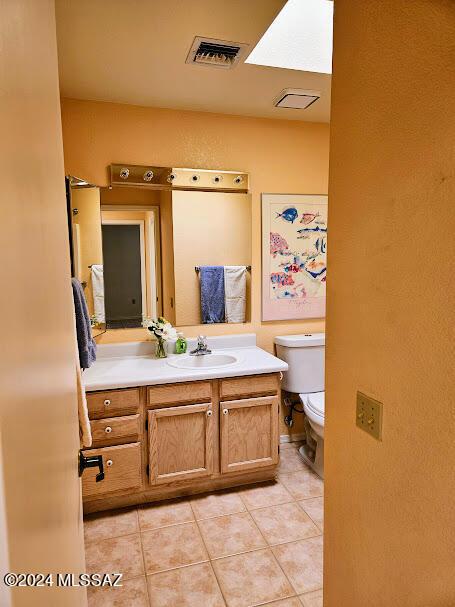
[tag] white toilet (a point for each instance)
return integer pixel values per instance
(305, 357)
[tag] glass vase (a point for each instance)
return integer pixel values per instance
(161, 349)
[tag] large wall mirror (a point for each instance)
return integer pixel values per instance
(137, 251)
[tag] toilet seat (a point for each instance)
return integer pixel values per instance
(314, 406)
(314, 402)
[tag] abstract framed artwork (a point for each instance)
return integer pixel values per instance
(294, 249)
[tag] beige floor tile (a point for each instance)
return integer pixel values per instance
(292, 445)
(303, 484)
(314, 507)
(164, 514)
(290, 461)
(312, 599)
(116, 555)
(284, 523)
(264, 495)
(133, 593)
(251, 579)
(104, 525)
(302, 562)
(193, 586)
(217, 504)
(171, 547)
(292, 602)
(231, 534)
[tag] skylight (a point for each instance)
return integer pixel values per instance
(300, 38)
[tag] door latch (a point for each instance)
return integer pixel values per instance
(91, 461)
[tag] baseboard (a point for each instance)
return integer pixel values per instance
(292, 438)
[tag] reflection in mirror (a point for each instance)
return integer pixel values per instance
(136, 251)
(87, 246)
(210, 229)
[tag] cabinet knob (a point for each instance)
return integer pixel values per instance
(209, 413)
(107, 402)
(109, 463)
(225, 411)
(108, 429)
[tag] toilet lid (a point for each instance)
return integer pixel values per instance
(316, 402)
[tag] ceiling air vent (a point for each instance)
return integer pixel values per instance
(296, 99)
(215, 53)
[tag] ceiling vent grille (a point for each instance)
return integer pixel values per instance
(296, 99)
(215, 53)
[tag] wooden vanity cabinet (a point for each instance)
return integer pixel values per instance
(249, 433)
(111, 403)
(122, 471)
(180, 443)
(116, 430)
(183, 438)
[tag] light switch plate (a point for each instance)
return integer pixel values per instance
(369, 415)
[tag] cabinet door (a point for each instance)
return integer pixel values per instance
(122, 470)
(249, 433)
(180, 443)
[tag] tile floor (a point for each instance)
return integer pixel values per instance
(258, 545)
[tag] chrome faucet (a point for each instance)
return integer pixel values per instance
(201, 348)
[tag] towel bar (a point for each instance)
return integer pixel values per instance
(197, 268)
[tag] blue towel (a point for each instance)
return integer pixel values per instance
(85, 341)
(212, 294)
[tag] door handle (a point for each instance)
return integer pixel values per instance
(91, 461)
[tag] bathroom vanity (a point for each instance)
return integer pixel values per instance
(178, 426)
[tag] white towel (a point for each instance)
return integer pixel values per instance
(85, 431)
(98, 292)
(235, 293)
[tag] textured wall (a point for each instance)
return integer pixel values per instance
(389, 532)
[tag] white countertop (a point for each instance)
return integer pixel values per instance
(133, 364)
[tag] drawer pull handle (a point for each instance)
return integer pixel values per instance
(109, 463)
(107, 402)
(209, 413)
(108, 430)
(225, 411)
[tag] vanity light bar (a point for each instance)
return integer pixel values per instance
(166, 178)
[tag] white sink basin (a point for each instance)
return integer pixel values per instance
(206, 361)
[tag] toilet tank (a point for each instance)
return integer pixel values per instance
(305, 357)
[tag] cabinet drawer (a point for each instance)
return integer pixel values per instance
(178, 394)
(112, 403)
(250, 386)
(115, 430)
(122, 470)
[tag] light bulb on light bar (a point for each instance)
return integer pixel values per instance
(300, 38)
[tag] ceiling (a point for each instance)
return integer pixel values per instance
(134, 52)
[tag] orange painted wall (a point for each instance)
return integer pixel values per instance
(280, 156)
(389, 525)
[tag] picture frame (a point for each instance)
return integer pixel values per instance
(294, 256)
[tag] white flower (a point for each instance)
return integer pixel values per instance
(160, 327)
(168, 332)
